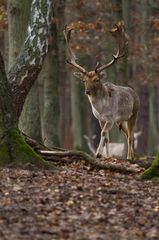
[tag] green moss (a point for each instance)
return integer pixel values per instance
(153, 171)
(14, 151)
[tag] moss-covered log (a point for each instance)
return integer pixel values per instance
(153, 171)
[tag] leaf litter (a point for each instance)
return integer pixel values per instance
(77, 203)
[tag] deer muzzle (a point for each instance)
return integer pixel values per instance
(88, 92)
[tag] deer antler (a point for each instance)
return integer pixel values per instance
(118, 32)
(72, 60)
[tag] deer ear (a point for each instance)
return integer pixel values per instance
(79, 75)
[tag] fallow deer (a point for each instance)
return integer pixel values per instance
(110, 103)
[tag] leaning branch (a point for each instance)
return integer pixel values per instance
(29, 62)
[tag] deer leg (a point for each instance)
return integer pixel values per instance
(131, 126)
(123, 127)
(99, 149)
(104, 141)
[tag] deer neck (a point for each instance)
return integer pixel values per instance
(98, 95)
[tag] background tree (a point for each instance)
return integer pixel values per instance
(51, 111)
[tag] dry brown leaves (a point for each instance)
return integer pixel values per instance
(77, 203)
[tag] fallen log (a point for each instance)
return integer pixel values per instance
(67, 156)
(78, 155)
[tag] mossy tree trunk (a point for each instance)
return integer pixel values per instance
(13, 91)
(13, 149)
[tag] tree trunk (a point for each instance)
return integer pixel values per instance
(153, 171)
(29, 121)
(143, 118)
(18, 17)
(60, 15)
(122, 8)
(78, 115)
(13, 149)
(29, 62)
(51, 112)
(153, 129)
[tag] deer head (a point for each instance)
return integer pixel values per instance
(92, 78)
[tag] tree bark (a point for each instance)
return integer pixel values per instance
(60, 15)
(18, 18)
(30, 121)
(29, 62)
(78, 106)
(13, 149)
(153, 128)
(143, 119)
(51, 112)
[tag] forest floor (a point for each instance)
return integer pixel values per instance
(77, 203)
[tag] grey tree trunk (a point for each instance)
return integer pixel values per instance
(60, 14)
(51, 112)
(30, 60)
(153, 126)
(77, 118)
(78, 106)
(143, 119)
(30, 121)
(13, 149)
(18, 17)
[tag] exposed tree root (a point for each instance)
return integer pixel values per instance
(67, 156)
(142, 162)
